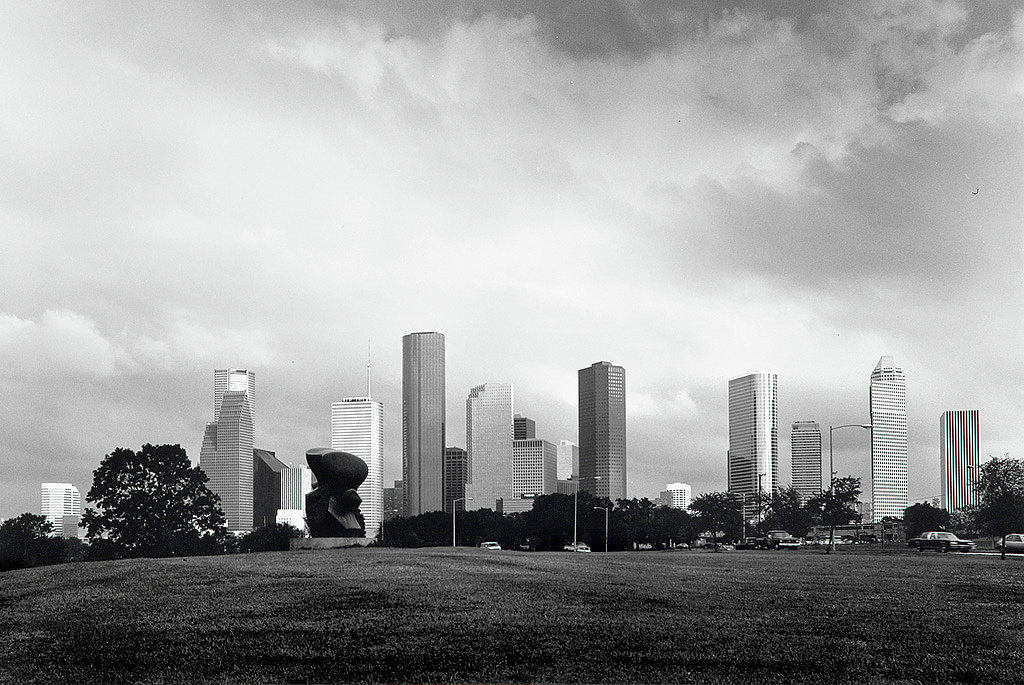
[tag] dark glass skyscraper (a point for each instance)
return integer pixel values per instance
(602, 424)
(423, 422)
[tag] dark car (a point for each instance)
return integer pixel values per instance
(747, 543)
(780, 539)
(940, 541)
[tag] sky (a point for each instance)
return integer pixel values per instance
(693, 191)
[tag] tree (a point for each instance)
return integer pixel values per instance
(1001, 494)
(787, 513)
(717, 512)
(835, 506)
(154, 503)
(275, 537)
(26, 541)
(922, 517)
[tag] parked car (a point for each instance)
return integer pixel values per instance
(490, 545)
(577, 547)
(747, 543)
(1014, 542)
(780, 539)
(940, 541)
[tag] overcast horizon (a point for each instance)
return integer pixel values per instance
(692, 192)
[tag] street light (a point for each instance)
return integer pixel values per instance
(832, 473)
(605, 527)
(576, 512)
(454, 509)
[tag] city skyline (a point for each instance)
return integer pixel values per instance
(704, 189)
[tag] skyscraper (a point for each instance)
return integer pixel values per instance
(753, 457)
(59, 500)
(423, 418)
(266, 487)
(887, 398)
(456, 473)
(534, 468)
(489, 441)
(959, 445)
(568, 460)
(806, 455)
(602, 428)
(296, 483)
(357, 427)
(227, 455)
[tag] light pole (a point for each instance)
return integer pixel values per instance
(605, 526)
(832, 474)
(455, 509)
(576, 512)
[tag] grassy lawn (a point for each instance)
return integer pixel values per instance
(438, 615)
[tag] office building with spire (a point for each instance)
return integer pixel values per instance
(357, 427)
(753, 456)
(887, 399)
(489, 431)
(423, 422)
(602, 430)
(227, 452)
(959, 451)
(805, 440)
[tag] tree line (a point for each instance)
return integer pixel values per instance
(154, 503)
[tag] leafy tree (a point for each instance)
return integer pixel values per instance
(672, 526)
(835, 506)
(1001, 491)
(787, 513)
(717, 512)
(274, 537)
(922, 517)
(154, 503)
(965, 521)
(26, 541)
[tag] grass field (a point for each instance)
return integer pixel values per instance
(438, 615)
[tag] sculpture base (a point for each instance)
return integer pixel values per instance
(328, 543)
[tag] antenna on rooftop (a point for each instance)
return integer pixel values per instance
(367, 367)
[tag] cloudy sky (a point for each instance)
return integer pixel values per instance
(694, 193)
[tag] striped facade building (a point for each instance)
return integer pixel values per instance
(960, 447)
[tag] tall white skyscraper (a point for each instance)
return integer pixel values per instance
(959, 445)
(534, 467)
(568, 459)
(57, 501)
(806, 455)
(489, 431)
(887, 398)
(423, 422)
(226, 455)
(296, 483)
(753, 458)
(357, 427)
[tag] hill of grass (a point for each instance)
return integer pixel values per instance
(438, 615)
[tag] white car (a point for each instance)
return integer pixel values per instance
(490, 545)
(1014, 542)
(577, 547)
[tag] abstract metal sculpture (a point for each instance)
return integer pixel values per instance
(332, 509)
